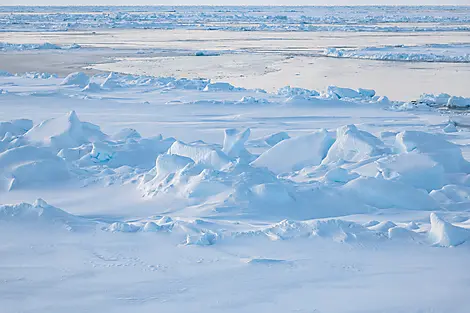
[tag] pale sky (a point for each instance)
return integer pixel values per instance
(229, 2)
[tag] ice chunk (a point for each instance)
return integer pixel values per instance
(76, 79)
(206, 238)
(450, 128)
(64, 132)
(343, 92)
(201, 154)
(220, 87)
(92, 87)
(366, 93)
(452, 194)
(435, 146)
(296, 153)
(354, 145)
(111, 82)
(276, 138)
(289, 92)
(339, 175)
(13, 128)
(401, 233)
(127, 133)
(383, 227)
(234, 142)
(123, 227)
(458, 102)
(445, 234)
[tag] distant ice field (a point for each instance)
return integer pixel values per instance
(430, 62)
(247, 18)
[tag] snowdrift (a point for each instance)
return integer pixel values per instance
(40, 213)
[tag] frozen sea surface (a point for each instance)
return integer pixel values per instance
(283, 180)
(249, 18)
(170, 194)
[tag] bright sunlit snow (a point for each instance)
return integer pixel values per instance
(234, 159)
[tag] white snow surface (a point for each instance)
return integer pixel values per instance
(169, 194)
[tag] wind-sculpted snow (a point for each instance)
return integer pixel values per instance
(249, 18)
(456, 53)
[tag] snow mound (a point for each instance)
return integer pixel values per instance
(384, 194)
(354, 145)
(452, 195)
(414, 169)
(27, 165)
(441, 151)
(66, 131)
(43, 213)
(76, 79)
(400, 233)
(296, 153)
(445, 234)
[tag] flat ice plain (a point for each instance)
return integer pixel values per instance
(234, 159)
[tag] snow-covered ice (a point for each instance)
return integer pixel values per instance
(125, 192)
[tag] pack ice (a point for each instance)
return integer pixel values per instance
(323, 173)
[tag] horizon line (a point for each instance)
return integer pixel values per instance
(233, 5)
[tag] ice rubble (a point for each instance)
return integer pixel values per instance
(294, 154)
(76, 79)
(457, 53)
(415, 172)
(377, 19)
(5, 46)
(444, 100)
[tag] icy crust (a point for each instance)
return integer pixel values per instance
(457, 53)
